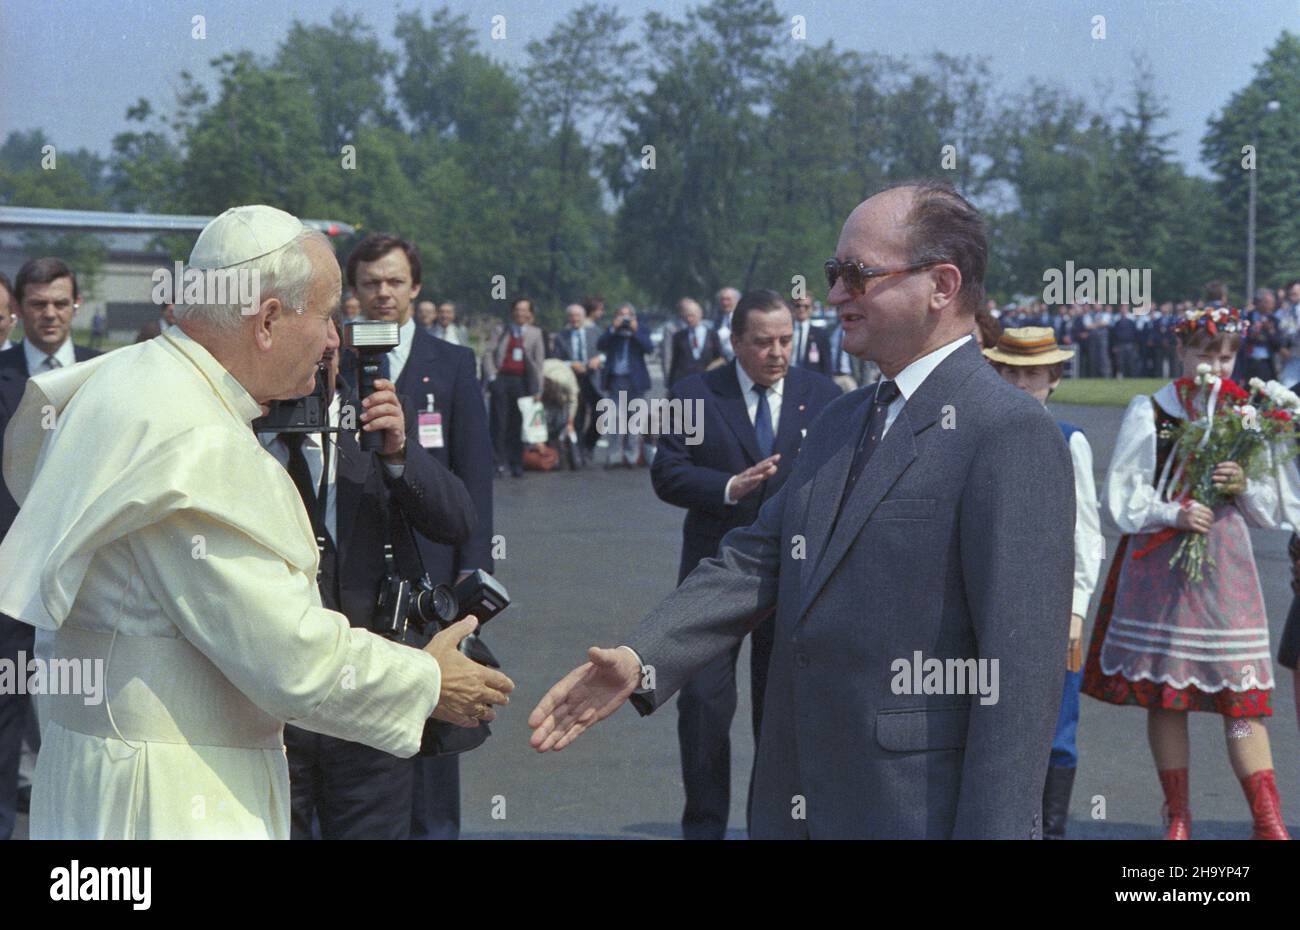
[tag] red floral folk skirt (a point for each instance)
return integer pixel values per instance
(1116, 689)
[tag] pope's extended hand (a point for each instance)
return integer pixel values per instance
(585, 696)
(468, 689)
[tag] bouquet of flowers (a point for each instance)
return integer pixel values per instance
(1225, 424)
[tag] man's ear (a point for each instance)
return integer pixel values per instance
(415, 292)
(270, 312)
(947, 282)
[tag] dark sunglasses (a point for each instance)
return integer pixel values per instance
(856, 275)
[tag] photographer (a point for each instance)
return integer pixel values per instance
(627, 346)
(354, 791)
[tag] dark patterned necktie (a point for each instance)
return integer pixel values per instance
(886, 393)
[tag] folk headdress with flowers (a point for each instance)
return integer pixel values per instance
(1214, 320)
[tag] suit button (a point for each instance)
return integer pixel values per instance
(801, 659)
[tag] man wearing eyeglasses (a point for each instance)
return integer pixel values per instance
(898, 540)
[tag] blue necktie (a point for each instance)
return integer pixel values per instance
(763, 423)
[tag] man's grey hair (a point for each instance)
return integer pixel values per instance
(688, 302)
(729, 290)
(284, 274)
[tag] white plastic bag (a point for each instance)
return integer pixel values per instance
(533, 414)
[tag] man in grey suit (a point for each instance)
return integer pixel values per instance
(929, 521)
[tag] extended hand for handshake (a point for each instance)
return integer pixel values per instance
(469, 690)
(587, 695)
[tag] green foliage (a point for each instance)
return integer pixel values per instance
(535, 170)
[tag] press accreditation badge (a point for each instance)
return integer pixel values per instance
(430, 430)
(518, 354)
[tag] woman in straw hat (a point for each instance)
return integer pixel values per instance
(1029, 358)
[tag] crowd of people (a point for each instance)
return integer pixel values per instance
(1136, 342)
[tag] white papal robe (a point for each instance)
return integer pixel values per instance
(156, 534)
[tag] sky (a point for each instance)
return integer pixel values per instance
(109, 53)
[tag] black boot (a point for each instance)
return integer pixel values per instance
(1056, 801)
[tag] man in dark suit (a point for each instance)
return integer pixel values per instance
(626, 346)
(812, 344)
(695, 346)
(46, 299)
(899, 541)
(441, 381)
(755, 413)
(352, 790)
(576, 344)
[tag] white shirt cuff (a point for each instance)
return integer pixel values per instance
(726, 493)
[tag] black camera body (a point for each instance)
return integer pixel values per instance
(423, 608)
(308, 414)
(411, 613)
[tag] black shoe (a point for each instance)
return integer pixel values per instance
(1056, 801)
(517, 471)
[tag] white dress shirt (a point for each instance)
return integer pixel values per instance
(1089, 544)
(800, 352)
(751, 407)
(401, 352)
(724, 336)
(701, 337)
(314, 453)
(7, 344)
(64, 355)
(914, 375)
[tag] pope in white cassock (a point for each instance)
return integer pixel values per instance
(156, 534)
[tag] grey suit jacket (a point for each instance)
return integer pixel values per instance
(957, 543)
(534, 355)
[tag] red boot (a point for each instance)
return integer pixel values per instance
(1265, 806)
(1178, 814)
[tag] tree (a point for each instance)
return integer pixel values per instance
(1247, 120)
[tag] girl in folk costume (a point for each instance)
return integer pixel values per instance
(1173, 637)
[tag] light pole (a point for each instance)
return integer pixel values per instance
(1272, 107)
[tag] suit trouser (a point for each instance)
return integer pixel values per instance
(705, 708)
(627, 446)
(507, 421)
(435, 807)
(585, 422)
(15, 708)
(1126, 360)
(354, 791)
